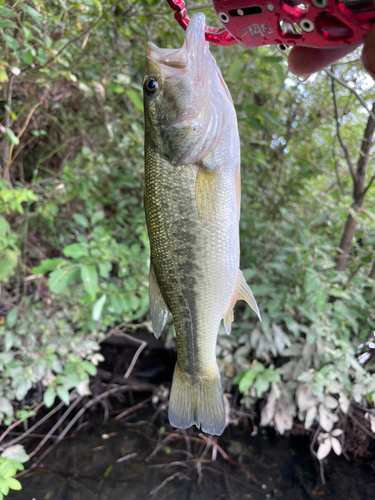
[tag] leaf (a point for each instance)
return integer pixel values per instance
(135, 98)
(3, 75)
(310, 417)
(337, 432)
(10, 42)
(33, 13)
(63, 394)
(326, 419)
(239, 376)
(76, 251)
(6, 406)
(98, 307)
(47, 265)
(89, 277)
(63, 277)
(256, 125)
(49, 397)
(321, 298)
(271, 375)
(81, 220)
(16, 452)
(7, 23)
(235, 70)
(14, 484)
(96, 217)
(12, 316)
(13, 139)
(247, 380)
(324, 449)
(261, 385)
(83, 388)
(89, 367)
(312, 283)
(271, 117)
(105, 267)
(26, 56)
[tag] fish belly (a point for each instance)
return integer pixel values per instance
(195, 259)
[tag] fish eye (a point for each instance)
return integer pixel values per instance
(151, 85)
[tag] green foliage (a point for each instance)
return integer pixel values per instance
(8, 468)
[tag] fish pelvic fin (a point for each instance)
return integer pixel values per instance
(158, 307)
(198, 401)
(242, 292)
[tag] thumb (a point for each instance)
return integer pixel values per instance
(368, 53)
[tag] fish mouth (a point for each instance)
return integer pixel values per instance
(190, 56)
(172, 62)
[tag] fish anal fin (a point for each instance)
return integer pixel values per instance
(158, 307)
(198, 401)
(244, 293)
(205, 192)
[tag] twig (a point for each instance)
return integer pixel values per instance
(72, 422)
(180, 475)
(369, 185)
(336, 169)
(219, 449)
(133, 408)
(321, 467)
(126, 457)
(18, 422)
(164, 466)
(56, 426)
(343, 145)
(117, 331)
(169, 12)
(7, 121)
(29, 431)
(19, 135)
(232, 478)
(344, 84)
(360, 425)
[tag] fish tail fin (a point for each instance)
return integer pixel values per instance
(197, 401)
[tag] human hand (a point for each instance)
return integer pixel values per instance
(303, 61)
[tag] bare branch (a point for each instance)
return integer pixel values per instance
(353, 91)
(337, 170)
(343, 145)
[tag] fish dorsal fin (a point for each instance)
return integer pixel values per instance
(205, 192)
(158, 307)
(242, 292)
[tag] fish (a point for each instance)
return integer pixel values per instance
(192, 206)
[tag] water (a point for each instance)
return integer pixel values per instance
(109, 462)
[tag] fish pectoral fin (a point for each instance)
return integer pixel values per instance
(197, 401)
(205, 193)
(158, 307)
(244, 293)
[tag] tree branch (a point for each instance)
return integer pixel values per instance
(353, 91)
(7, 123)
(343, 145)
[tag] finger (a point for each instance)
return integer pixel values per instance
(303, 61)
(368, 54)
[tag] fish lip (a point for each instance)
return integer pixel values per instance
(168, 58)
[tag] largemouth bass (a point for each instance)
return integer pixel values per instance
(192, 203)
